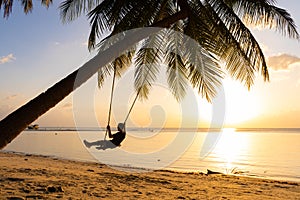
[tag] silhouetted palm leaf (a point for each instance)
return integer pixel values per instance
(218, 27)
(120, 64)
(148, 61)
(26, 4)
(214, 24)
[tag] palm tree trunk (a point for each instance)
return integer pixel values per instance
(17, 121)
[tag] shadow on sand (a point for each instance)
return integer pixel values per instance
(100, 144)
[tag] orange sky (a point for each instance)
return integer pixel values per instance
(26, 72)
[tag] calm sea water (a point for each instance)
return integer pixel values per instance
(267, 153)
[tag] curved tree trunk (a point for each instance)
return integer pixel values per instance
(17, 121)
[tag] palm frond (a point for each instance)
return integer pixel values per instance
(140, 15)
(176, 73)
(204, 71)
(103, 73)
(120, 64)
(123, 62)
(27, 6)
(46, 3)
(229, 41)
(119, 15)
(174, 59)
(166, 9)
(217, 31)
(148, 61)
(100, 20)
(7, 7)
(265, 14)
(244, 38)
(72, 9)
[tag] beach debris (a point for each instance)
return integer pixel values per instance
(236, 170)
(212, 172)
(33, 127)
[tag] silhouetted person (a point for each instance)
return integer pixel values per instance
(119, 136)
(116, 140)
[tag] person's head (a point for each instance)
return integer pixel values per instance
(121, 127)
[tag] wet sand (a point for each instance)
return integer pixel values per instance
(39, 177)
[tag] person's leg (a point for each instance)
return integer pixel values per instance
(96, 143)
(106, 144)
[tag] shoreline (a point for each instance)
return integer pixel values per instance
(42, 177)
(136, 169)
(133, 169)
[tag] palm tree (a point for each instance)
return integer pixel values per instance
(217, 27)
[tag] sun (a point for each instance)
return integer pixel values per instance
(240, 105)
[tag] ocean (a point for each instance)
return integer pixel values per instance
(262, 153)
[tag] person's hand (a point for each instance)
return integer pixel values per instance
(108, 127)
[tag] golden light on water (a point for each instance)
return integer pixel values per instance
(231, 147)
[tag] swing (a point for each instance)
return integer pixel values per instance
(112, 92)
(103, 144)
(111, 99)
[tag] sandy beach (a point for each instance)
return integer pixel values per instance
(39, 177)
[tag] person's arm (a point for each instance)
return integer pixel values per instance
(109, 132)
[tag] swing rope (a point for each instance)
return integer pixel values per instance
(137, 94)
(111, 99)
(134, 101)
(139, 90)
(132, 105)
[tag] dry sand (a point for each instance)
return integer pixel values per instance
(38, 177)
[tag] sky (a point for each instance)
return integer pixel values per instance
(37, 50)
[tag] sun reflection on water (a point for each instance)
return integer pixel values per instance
(230, 149)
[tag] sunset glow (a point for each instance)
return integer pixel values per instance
(53, 55)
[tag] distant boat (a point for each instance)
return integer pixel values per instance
(33, 127)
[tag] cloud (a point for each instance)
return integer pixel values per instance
(8, 58)
(282, 62)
